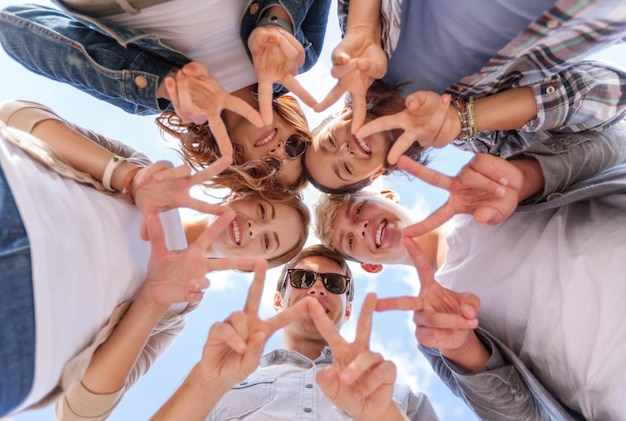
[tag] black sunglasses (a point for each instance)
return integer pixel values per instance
(295, 146)
(304, 279)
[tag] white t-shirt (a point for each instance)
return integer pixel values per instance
(87, 258)
(206, 31)
(552, 288)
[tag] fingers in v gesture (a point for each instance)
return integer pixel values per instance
(161, 187)
(277, 55)
(198, 97)
(479, 189)
(359, 381)
(443, 318)
(234, 347)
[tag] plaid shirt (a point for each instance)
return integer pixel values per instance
(571, 95)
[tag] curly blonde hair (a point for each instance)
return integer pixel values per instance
(198, 148)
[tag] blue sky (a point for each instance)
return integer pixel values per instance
(393, 332)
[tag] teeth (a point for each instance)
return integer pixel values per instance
(236, 232)
(380, 233)
(363, 145)
(266, 138)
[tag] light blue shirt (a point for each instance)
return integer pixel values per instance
(284, 388)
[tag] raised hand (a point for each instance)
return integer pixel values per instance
(357, 61)
(277, 55)
(161, 187)
(234, 347)
(487, 187)
(359, 381)
(198, 97)
(180, 275)
(429, 118)
(444, 319)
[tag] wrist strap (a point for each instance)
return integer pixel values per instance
(273, 20)
(114, 162)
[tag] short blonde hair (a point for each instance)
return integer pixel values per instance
(326, 210)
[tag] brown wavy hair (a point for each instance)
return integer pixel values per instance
(381, 99)
(198, 148)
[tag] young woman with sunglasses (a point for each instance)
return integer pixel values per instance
(266, 160)
(64, 243)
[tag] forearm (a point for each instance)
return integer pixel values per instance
(193, 400)
(80, 152)
(365, 15)
(114, 359)
(505, 110)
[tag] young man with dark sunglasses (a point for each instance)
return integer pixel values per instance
(306, 379)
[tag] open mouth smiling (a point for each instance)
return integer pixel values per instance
(266, 138)
(380, 233)
(236, 231)
(362, 145)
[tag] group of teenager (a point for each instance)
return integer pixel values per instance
(520, 300)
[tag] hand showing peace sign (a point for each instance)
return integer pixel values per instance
(487, 187)
(359, 381)
(444, 319)
(234, 347)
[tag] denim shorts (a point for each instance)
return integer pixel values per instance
(17, 312)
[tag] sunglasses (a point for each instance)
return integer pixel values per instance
(295, 146)
(335, 283)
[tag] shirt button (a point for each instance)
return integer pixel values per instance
(141, 82)
(307, 410)
(243, 383)
(309, 386)
(552, 24)
(513, 389)
(254, 9)
(518, 397)
(550, 90)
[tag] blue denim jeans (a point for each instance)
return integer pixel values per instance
(17, 312)
(105, 60)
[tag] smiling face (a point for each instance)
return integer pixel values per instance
(336, 306)
(261, 229)
(336, 159)
(369, 229)
(258, 143)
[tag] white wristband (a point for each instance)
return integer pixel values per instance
(115, 162)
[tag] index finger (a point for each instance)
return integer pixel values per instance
(364, 325)
(217, 127)
(332, 97)
(212, 230)
(241, 107)
(324, 325)
(156, 235)
(286, 316)
(265, 96)
(378, 125)
(256, 288)
(399, 303)
(292, 84)
(212, 170)
(359, 111)
(420, 261)
(431, 222)
(430, 176)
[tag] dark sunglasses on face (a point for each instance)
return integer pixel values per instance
(335, 283)
(295, 146)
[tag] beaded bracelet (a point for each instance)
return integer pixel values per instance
(465, 110)
(126, 184)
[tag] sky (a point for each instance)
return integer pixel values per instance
(393, 334)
